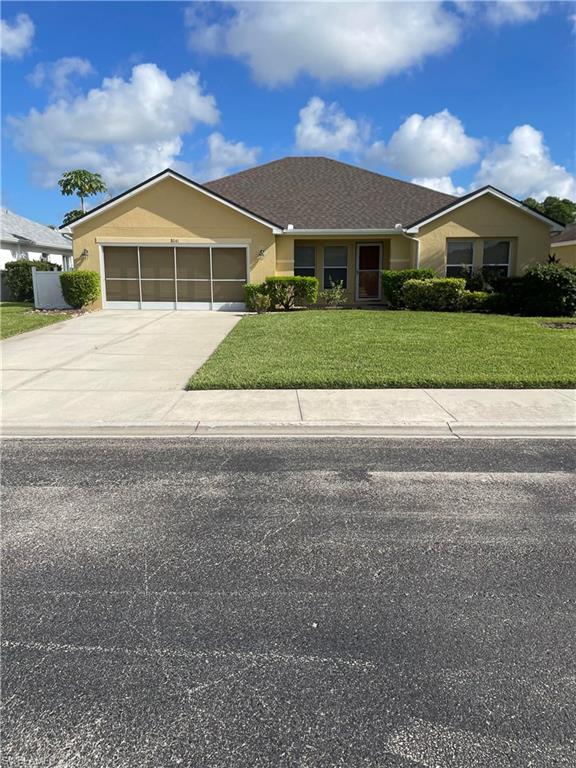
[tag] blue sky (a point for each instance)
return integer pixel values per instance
(452, 95)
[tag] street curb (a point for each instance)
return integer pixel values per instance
(446, 430)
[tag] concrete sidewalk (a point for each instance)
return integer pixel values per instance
(384, 412)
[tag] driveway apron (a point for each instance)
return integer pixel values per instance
(107, 365)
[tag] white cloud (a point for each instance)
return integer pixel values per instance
(327, 129)
(16, 38)
(429, 146)
(357, 43)
(56, 75)
(523, 167)
(227, 156)
(440, 184)
(513, 11)
(125, 129)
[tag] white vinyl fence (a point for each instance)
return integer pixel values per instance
(47, 290)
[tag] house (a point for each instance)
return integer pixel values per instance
(26, 239)
(172, 243)
(563, 246)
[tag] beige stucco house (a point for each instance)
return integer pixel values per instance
(563, 246)
(172, 243)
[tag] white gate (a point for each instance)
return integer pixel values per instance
(47, 290)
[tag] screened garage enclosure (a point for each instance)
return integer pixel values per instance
(174, 277)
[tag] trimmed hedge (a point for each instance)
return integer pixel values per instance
(80, 288)
(252, 294)
(288, 291)
(19, 277)
(475, 301)
(438, 294)
(393, 282)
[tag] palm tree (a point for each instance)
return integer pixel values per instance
(82, 183)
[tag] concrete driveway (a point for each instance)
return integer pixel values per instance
(57, 370)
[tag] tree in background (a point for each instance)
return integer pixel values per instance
(563, 211)
(82, 183)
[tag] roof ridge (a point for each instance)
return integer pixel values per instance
(356, 168)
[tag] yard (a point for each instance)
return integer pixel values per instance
(370, 349)
(18, 318)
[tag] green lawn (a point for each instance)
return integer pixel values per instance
(19, 318)
(369, 349)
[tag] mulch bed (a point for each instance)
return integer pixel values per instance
(72, 312)
(562, 326)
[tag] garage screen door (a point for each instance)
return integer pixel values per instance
(184, 277)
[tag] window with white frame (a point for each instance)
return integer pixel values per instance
(335, 265)
(459, 258)
(496, 258)
(304, 261)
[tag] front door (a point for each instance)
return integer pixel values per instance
(368, 266)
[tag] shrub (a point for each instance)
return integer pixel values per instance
(80, 288)
(19, 277)
(549, 289)
(474, 301)
(476, 281)
(393, 281)
(262, 303)
(288, 291)
(438, 294)
(335, 295)
(497, 303)
(253, 294)
(510, 297)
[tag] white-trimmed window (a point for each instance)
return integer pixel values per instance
(335, 265)
(459, 258)
(304, 261)
(496, 258)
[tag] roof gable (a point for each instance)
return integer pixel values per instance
(475, 195)
(168, 173)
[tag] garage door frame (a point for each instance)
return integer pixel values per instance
(173, 305)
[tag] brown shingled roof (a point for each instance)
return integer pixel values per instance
(567, 236)
(319, 193)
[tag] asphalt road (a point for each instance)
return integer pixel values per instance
(250, 603)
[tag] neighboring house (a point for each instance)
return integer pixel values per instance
(172, 243)
(26, 239)
(563, 246)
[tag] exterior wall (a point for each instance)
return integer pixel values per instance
(486, 218)
(402, 253)
(172, 212)
(284, 256)
(566, 254)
